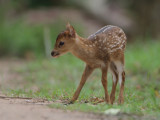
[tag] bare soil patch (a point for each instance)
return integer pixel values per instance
(36, 109)
(16, 108)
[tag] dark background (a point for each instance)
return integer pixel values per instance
(28, 28)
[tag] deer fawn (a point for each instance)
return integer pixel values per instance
(103, 49)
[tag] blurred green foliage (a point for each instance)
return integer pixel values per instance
(39, 3)
(17, 39)
(20, 38)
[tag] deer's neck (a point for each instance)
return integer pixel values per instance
(83, 49)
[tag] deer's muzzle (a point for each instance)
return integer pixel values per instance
(54, 54)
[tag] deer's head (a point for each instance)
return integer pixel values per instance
(64, 42)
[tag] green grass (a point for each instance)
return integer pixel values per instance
(57, 79)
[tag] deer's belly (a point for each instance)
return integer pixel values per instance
(96, 63)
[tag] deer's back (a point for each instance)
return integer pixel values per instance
(109, 39)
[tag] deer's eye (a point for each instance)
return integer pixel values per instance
(61, 44)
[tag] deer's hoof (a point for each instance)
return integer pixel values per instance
(120, 100)
(112, 98)
(108, 101)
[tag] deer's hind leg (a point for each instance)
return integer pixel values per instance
(113, 70)
(121, 79)
(121, 98)
(117, 69)
(104, 83)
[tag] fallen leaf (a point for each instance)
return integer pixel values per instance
(96, 100)
(157, 93)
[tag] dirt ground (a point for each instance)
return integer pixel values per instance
(32, 109)
(28, 109)
(14, 108)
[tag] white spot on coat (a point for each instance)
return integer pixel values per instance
(90, 45)
(86, 45)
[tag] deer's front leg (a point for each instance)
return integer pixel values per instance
(104, 83)
(88, 70)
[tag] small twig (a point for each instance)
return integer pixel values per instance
(4, 97)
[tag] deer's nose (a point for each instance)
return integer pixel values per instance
(52, 53)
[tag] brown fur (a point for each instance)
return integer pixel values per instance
(104, 50)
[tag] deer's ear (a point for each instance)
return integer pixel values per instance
(70, 29)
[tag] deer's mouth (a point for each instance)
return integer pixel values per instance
(54, 54)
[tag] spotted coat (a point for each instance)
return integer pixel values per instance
(108, 39)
